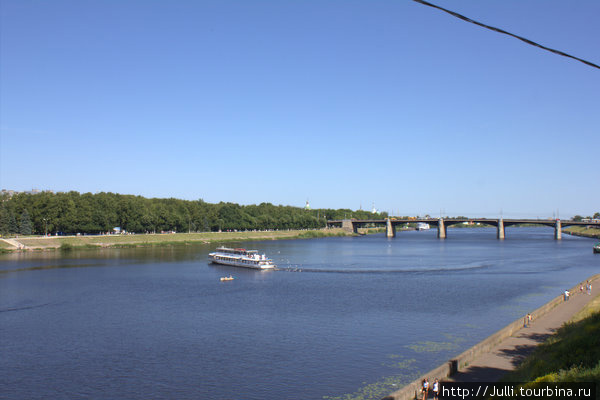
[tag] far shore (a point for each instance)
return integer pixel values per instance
(583, 231)
(40, 243)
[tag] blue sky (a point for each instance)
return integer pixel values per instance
(344, 103)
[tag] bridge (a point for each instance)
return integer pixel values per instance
(442, 224)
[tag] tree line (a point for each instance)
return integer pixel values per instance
(73, 212)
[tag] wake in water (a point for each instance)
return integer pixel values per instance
(45, 267)
(26, 308)
(385, 271)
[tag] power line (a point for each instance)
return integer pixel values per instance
(467, 19)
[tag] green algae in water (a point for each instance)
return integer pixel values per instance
(377, 390)
(435, 347)
(432, 347)
(387, 385)
(402, 364)
(454, 338)
(390, 384)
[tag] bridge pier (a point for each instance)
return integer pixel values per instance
(349, 226)
(500, 229)
(441, 229)
(390, 229)
(558, 230)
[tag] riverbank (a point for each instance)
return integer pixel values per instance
(582, 231)
(492, 358)
(572, 354)
(38, 243)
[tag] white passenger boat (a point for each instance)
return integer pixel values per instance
(422, 226)
(241, 258)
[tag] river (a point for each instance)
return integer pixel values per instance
(347, 315)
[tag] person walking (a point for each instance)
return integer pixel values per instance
(436, 389)
(425, 389)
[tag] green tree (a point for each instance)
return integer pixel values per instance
(101, 212)
(4, 220)
(13, 227)
(26, 226)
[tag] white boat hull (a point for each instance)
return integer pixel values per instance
(244, 263)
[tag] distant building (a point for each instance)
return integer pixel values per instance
(307, 206)
(593, 220)
(11, 193)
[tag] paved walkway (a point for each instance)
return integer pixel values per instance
(491, 366)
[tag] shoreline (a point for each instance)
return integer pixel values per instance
(582, 233)
(457, 365)
(52, 243)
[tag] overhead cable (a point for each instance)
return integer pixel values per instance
(467, 19)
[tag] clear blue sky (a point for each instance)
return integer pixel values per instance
(345, 103)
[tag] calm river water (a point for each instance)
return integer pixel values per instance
(345, 315)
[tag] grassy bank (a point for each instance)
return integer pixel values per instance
(572, 354)
(582, 231)
(73, 242)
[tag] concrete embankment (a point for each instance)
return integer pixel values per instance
(476, 364)
(13, 244)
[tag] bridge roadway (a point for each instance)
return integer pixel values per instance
(442, 224)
